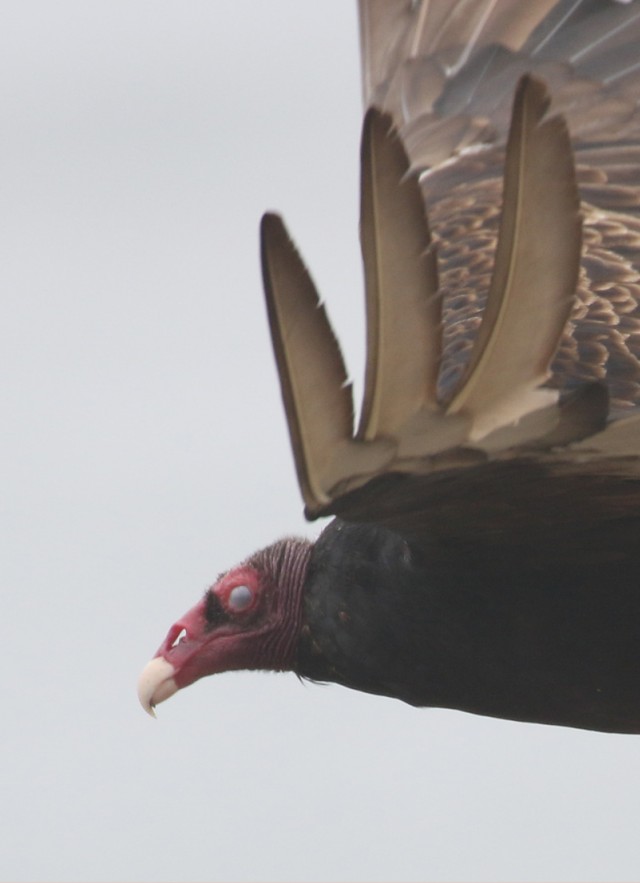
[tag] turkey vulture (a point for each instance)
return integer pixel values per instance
(485, 549)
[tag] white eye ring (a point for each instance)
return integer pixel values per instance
(240, 597)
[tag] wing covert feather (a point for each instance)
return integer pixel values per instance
(401, 285)
(313, 379)
(536, 268)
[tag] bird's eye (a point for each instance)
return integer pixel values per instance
(240, 598)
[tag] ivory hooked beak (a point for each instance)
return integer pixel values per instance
(156, 684)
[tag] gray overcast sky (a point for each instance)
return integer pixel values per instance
(143, 450)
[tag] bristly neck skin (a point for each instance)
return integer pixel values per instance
(284, 565)
(522, 633)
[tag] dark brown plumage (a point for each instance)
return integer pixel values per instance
(486, 549)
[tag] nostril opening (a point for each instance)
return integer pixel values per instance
(180, 637)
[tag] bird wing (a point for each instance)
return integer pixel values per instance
(503, 333)
(446, 72)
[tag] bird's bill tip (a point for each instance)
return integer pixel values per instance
(156, 683)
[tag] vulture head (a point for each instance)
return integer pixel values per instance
(250, 618)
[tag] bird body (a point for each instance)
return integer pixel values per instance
(485, 549)
(523, 635)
